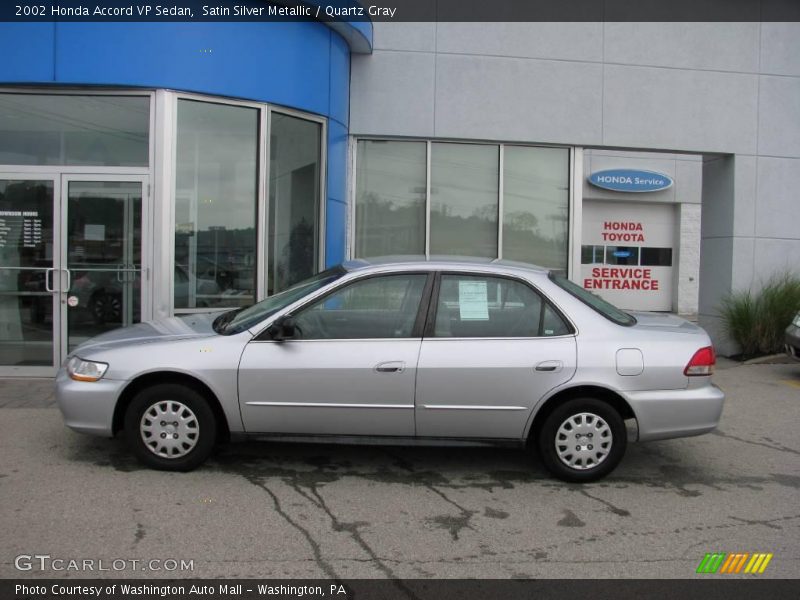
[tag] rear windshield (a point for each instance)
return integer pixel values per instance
(608, 310)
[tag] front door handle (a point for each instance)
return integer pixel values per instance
(394, 366)
(550, 366)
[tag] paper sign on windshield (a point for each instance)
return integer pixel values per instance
(473, 302)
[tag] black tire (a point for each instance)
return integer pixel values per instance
(197, 430)
(593, 464)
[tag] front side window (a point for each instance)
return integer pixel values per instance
(490, 307)
(374, 308)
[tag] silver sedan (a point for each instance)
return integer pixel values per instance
(409, 351)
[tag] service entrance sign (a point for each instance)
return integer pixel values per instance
(627, 253)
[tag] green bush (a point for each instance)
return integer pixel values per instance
(757, 321)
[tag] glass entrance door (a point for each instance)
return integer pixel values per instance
(102, 256)
(72, 259)
(28, 275)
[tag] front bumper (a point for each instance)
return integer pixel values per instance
(666, 414)
(88, 407)
(792, 340)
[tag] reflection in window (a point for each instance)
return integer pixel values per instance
(464, 184)
(622, 255)
(536, 205)
(294, 191)
(373, 308)
(476, 306)
(215, 205)
(26, 252)
(592, 255)
(656, 257)
(464, 199)
(42, 129)
(390, 198)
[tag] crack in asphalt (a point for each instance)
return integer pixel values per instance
(778, 447)
(614, 509)
(298, 481)
(454, 524)
(315, 547)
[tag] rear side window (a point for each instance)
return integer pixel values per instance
(485, 306)
(608, 310)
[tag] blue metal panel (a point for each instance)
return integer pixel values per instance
(340, 80)
(336, 207)
(27, 51)
(284, 63)
(336, 226)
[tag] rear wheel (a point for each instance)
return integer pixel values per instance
(170, 427)
(582, 440)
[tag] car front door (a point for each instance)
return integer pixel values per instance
(349, 368)
(492, 348)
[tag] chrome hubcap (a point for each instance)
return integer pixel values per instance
(583, 441)
(169, 429)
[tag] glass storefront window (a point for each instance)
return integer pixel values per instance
(61, 129)
(536, 205)
(216, 195)
(464, 199)
(294, 200)
(390, 198)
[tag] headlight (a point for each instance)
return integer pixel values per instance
(85, 370)
(796, 321)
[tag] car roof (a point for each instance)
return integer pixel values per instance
(433, 263)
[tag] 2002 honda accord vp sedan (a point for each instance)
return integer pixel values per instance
(409, 351)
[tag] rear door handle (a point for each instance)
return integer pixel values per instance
(394, 366)
(550, 366)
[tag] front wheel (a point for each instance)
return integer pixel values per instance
(170, 427)
(582, 440)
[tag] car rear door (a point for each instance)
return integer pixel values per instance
(349, 370)
(493, 346)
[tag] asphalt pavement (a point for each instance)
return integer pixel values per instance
(314, 511)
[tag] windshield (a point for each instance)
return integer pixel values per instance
(237, 320)
(608, 310)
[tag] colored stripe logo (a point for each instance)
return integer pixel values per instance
(734, 562)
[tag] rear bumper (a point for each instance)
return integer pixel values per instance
(669, 414)
(87, 407)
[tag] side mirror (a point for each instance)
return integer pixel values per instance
(283, 328)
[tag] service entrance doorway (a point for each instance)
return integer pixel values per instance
(627, 253)
(73, 264)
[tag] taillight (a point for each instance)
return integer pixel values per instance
(702, 362)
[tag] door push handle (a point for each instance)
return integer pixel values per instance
(550, 366)
(69, 280)
(47, 286)
(390, 367)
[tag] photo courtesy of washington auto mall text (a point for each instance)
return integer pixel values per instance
(138, 589)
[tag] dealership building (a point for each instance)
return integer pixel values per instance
(151, 169)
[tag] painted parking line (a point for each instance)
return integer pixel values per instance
(792, 382)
